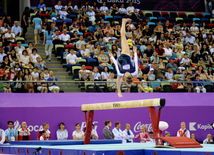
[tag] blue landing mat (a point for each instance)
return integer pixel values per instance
(107, 149)
(64, 142)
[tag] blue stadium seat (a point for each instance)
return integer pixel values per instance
(110, 67)
(153, 19)
(80, 33)
(106, 17)
(206, 15)
(154, 84)
(162, 19)
(106, 22)
(135, 23)
(150, 23)
(106, 53)
(25, 45)
(72, 16)
(205, 20)
(196, 20)
(68, 21)
(117, 18)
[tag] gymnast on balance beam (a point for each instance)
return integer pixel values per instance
(127, 70)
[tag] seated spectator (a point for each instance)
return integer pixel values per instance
(192, 136)
(208, 140)
(80, 42)
(35, 73)
(167, 134)
(24, 133)
(43, 135)
(183, 75)
(103, 59)
(2, 55)
(9, 37)
(6, 64)
(183, 132)
(62, 133)
(18, 86)
(63, 14)
(11, 74)
(16, 29)
(148, 51)
(155, 57)
(4, 28)
(86, 54)
(84, 26)
(9, 21)
(78, 134)
(189, 86)
(105, 74)
(40, 65)
(30, 48)
(181, 68)
(151, 75)
(137, 84)
(172, 65)
(129, 33)
(78, 7)
(6, 86)
(46, 74)
(111, 86)
(47, 134)
(96, 75)
(158, 73)
(56, 37)
(169, 74)
(201, 72)
(53, 14)
(107, 133)
(160, 51)
(145, 85)
(118, 134)
(143, 135)
(10, 133)
(90, 46)
(168, 51)
(28, 77)
(53, 86)
(199, 86)
(37, 26)
(58, 6)
(186, 60)
(135, 16)
(65, 37)
(152, 39)
(33, 56)
(190, 39)
(42, 86)
(24, 59)
(109, 30)
(40, 6)
(71, 60)
(104, 9)
(91, 15)
(17, 68)
(101, 43)
(179, 54)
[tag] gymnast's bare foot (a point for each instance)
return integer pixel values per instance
(120, 95)
(126, 20)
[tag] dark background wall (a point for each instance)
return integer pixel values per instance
(165, 5)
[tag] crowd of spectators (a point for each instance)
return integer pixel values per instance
(127, 136)
(168, 51)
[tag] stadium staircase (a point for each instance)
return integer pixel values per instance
(54, 65)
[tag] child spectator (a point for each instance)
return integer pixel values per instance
(183, 75)
(199, 86)
(17, 68)
(96, 74)
(169, 75)
(146, 85)
(181, 68)
(11, 74)
(151, 75)
(145, 60)
(43, 135)
(35, 73)
(139, 54)
(6, 86)
(186, 60)
(109, 44)
(46, 74)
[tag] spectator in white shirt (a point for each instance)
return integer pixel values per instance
(71, 60)
(130, 8)
(85, 74)
(122, 11)
(208, 139)
(186, 60)
(85, 52)
(104, 9)
(16, 29)
(58, 6)
(190, 38)
(150, 138)
(2, 136)
(80, 42)
(118, 134)
(62, 133)
(2, 54)
(105, 74)
(94, 132)
(168, 50)
(19, 48)
(65, 37)
(169, 75)
(35, 73)
(96, 74)
(9, 36)
(91, 14)
(183, 132)
(78, 134)
(63, 13)
(43, 135)
(46, 74)
(128, 135)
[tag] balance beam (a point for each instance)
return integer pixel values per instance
(160, 102)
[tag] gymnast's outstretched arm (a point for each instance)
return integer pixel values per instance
(135, 62)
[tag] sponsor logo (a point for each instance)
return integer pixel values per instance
(83, 125)
(35, 128)
(138, 125)
(126, 67)
(116, 105)
(193, 126)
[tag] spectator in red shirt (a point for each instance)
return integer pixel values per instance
(160, 50)
(24, 132)
(48, 133)
(2, 71)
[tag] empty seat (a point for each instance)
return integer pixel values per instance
(188, 20)
(197, 20)
(173, 14)
(198, 15)
(165, 14)
(147, 13)
(162, 19)
(171, 19)
(190, 15)
(182, 15)
(211, 26)
(153, 19)
(212, 20)
(117, 18)
(156, 14)
(179, 20)
(206, 15)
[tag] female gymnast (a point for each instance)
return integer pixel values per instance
(127, 70)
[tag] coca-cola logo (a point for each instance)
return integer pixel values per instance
(138, 125)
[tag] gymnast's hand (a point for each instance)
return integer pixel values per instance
(134, 49)
(110, 54)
